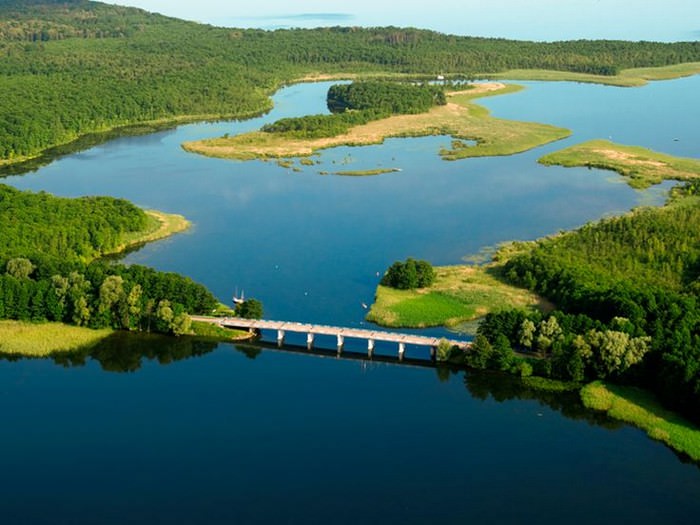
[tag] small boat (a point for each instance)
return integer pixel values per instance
(237, 299)
(364, 305)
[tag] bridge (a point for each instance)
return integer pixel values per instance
(340, 333)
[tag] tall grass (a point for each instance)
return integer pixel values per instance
(44, 339)
(642, 409)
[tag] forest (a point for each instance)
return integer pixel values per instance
(72, 67)
(626, 291)
(49, 269)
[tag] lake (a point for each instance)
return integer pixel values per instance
(157, 430)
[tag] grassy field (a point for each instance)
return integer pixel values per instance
(642, 167)
(43, 339)
(459, 294)
(627, 78)
(641, 409)
(460, 118)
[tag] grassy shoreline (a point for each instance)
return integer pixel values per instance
(459, 118)
(45, 339)
(162, 225)
(641, 167)
(642, 409)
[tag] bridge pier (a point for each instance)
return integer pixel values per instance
(280, 337)
(402, 350)
(309, 340)
(341, 341)
(370, 347)
(433, 353)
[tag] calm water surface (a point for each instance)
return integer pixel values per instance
(217, 436)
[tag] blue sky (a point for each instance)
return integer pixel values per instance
(531, 19)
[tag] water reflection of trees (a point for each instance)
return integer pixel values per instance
(127, 352)
(484, 385)
(124, 352)
(83, 143)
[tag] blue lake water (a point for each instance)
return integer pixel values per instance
(220, 437)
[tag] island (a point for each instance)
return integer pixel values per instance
(458, 117)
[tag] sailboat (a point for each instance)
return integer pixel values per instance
(237, 299)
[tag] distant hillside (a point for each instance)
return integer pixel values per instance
(68, 68)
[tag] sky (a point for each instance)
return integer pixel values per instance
(664, 20)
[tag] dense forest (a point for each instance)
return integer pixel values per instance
(73, 67)
(359, 103)
(627, 296)
(48, 270)
(41, 225)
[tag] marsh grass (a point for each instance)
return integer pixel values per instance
(641, 167)
(459, 294)
(44, 339)
(641, 409)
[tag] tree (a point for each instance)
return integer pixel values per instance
(614, 351)
(549, 332)
(110, 296)
(479, 355)
(20, 268)
(250, 309)
(164, 316)
(409, 275)
(182, 324)
(527, 333)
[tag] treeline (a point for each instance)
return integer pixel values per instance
(385, 97)
(100, 295)
(45, 226)
(627, 302)
(359, 103)
(68, 68)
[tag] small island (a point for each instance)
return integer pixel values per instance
(458, 117)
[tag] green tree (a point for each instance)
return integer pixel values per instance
(250, 309)
(20, 268)
(480, 354)
(527, 333)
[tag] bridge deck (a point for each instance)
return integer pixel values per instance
(286, 326)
